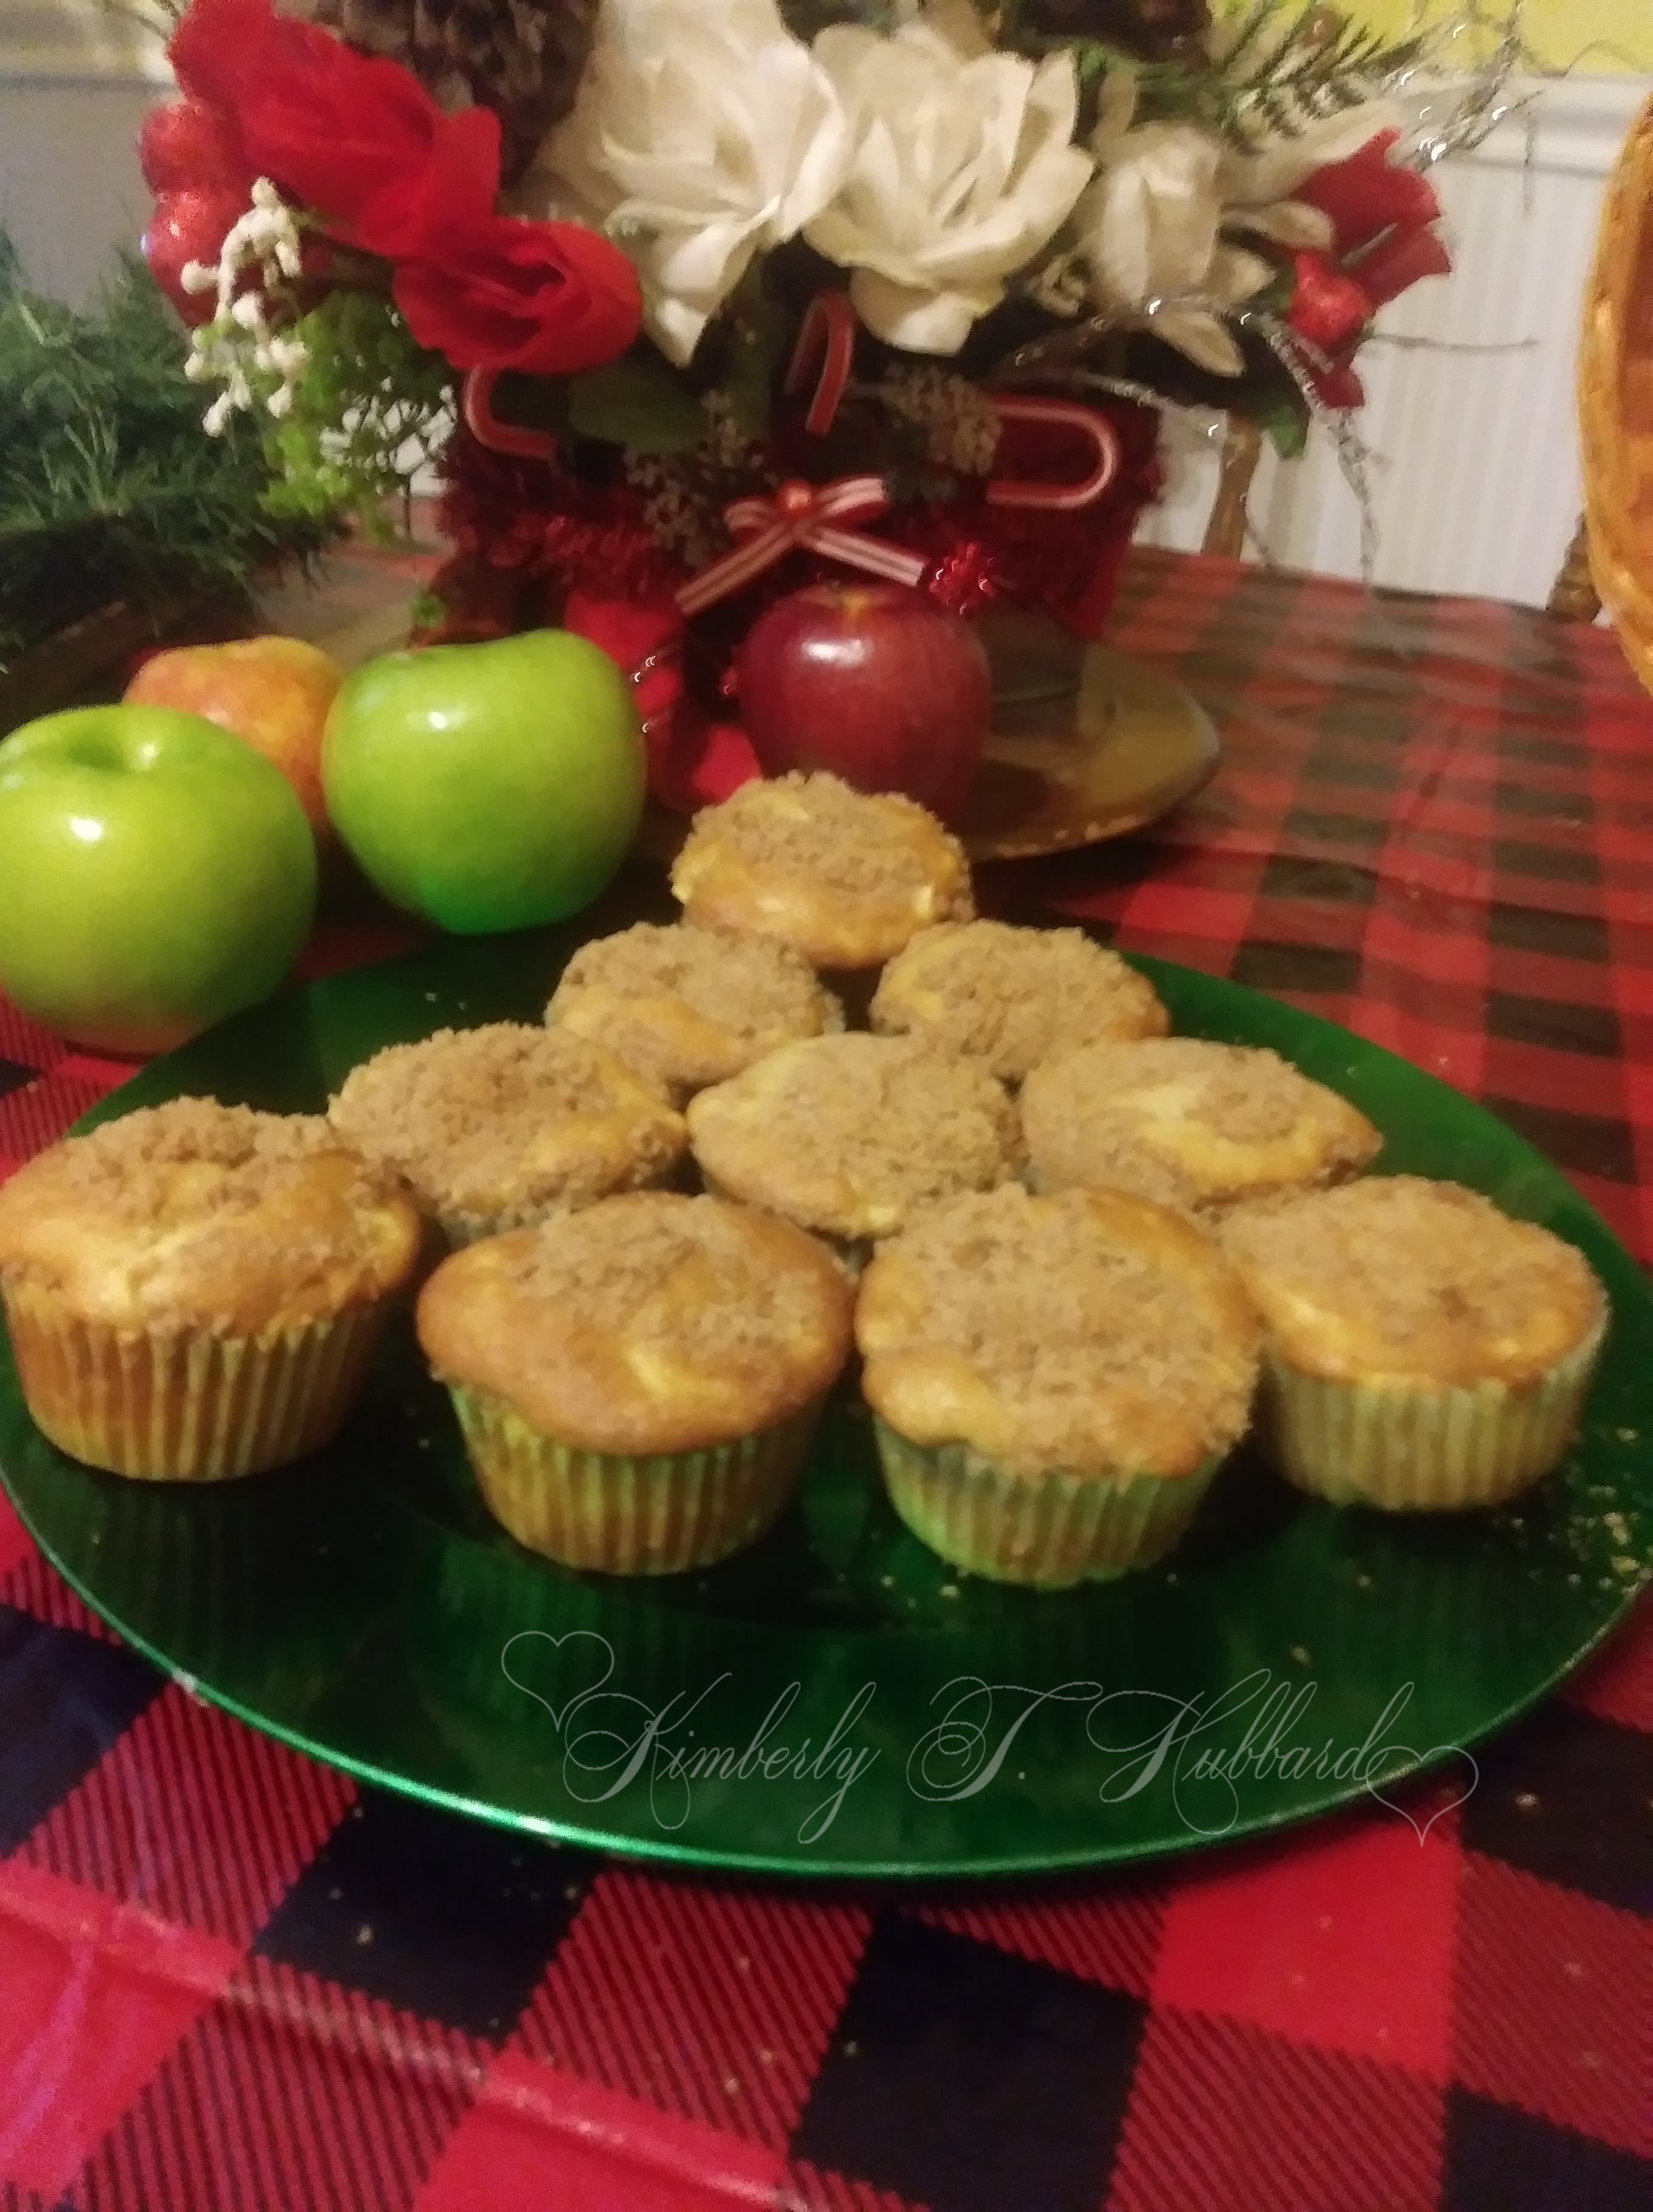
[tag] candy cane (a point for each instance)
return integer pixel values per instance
(1015, 491)
(826, 335)
(476, 407)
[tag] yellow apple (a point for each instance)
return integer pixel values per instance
(274, 692)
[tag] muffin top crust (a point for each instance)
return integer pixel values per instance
(1398, 1278)
(1013, 997)
(686, 1006)
(646, 1323)
(845, 877)
(494, 1126)
(1188, 1123)
(849, 1134)
(1090, 1332)
(194, 1215)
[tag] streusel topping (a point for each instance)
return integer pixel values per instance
(687, 1006)
(1090, 1332)
(506, 1121)
(123, 1169)
(648, 1322)
(195, 1214)
(1397, 1277)
(849, 1134)
(1188, 1123)
(844, 876)
(1013, 997)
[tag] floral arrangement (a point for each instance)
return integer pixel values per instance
(694, 298)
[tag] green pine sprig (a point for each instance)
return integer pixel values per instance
(371, 408)
(1278, 77)
(110, 488)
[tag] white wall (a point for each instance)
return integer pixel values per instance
(75, 81)
(1477, 486)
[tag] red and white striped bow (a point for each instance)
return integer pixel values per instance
(802, 517)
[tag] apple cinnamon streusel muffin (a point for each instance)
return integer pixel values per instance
(1013, 997)
(638, 1384)
(495, 1128)
(1422, 1349)
(843, 876)
(687, 1006)
(848, 1135)
(1188, 1124)
(1054, 1381)
(195, 1291)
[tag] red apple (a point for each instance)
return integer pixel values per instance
(274, 692)
(879, 683)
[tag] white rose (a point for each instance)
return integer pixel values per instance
(1150, 234)
(965, 166)
(702, 135)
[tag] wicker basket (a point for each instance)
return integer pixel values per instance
(1615, 400)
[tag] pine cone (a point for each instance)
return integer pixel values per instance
(1153, 30)
(523, 58)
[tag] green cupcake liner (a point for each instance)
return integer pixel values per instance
(1047, 1531)
(657, 1514)
(1414, 1449)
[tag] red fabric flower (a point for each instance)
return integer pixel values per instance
(362, 143)
(1381, 214)
(1368, 194)
(347, 136)
(545, 298)
(490, 291)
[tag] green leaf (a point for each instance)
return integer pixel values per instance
(637, 401)
(1284, 421)
(757, 339)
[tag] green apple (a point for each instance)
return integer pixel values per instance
(487, 787)
(156, 874)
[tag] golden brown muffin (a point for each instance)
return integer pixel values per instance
(849, 1134)
(1013, 997)
(1055, 1380)
(1188, 1124)
(195, 1290)
(499, 1126)
(1423, 1349)
(688, 1006)
(637, 1383)
(844, 878)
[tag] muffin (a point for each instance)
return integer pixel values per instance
(637, 1383)
(1013, 997)
(687, 1006)
(195, 1291)
(844, 878)
(497, 1127)
(1422, 1350)
(1188, 1123)
(1054, 1381)
(847, 1135)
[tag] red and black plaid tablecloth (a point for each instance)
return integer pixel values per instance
(232, 1980)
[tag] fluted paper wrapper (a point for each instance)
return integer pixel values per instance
(1417, 1449)
(182, 1405)
(654, 1514)
(1048, 1531)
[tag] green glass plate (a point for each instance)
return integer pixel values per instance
(836, 1701)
